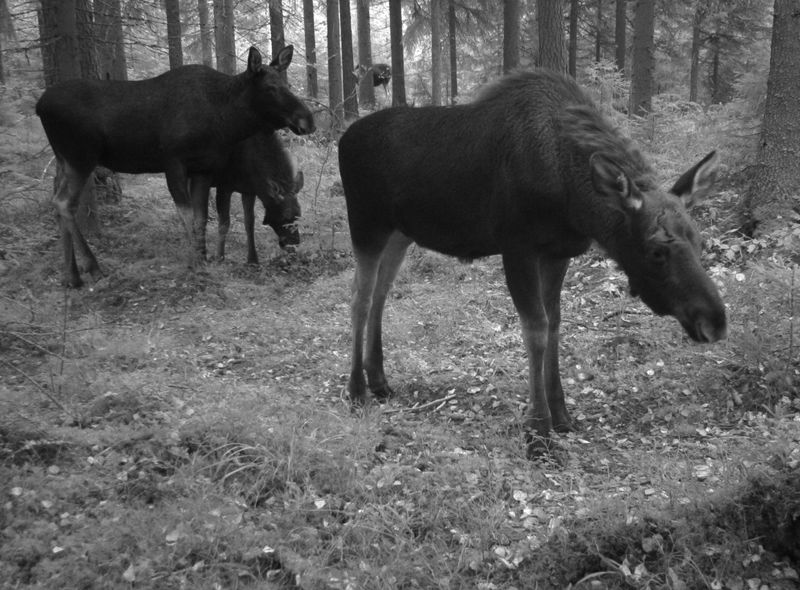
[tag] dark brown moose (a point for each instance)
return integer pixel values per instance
(533, 172)
(260, 166)
(184, 123)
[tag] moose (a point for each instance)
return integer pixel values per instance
(260, 166)
(533, 172)
(184, 123)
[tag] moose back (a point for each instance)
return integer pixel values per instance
(184, 123)
(533, 172)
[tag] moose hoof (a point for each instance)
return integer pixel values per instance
(72, 282)
(382, 392)
(563, 426)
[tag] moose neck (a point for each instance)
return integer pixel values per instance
(237, 118)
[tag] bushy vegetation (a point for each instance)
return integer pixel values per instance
(161, 429)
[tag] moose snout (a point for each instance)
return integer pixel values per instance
(302, 123)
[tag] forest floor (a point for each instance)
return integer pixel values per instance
(164, 429)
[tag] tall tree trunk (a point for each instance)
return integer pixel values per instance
(694, 71)
(349, 75)
(59, 34)
(396, 42)
(572, 66)
(108, 29)
(598, 32)
(174, 42)
(87, 39)
(335, 98)
(451, 30)
(436, 53)
(206, 32)
(714, 81)
(551, 35)
(366, 92)
(643, 57)
(620, 27)
(773, 199)
(510, 35)
(224, 36)
(276, 30)
(312, 84)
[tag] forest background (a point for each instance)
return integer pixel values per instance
(164, 429)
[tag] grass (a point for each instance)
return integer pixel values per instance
(160, 429)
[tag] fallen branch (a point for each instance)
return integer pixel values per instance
(416, 408)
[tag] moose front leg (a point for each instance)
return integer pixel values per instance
(524, 280)
(178, 185)
(551, 273)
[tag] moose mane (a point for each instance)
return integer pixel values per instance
(578, 122)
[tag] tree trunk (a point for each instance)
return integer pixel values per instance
(572, 66)
(598, 32)
(174, 43)
(312, 84)
(714, 81)
(276, 34)
(774, 195)
(436, 53)
(510, 35)
(87, 40)
(643, 58)
(620, 28)
(206, 32)
(59, 34)
(451, 30)
(694, 71)
(335, 99)
(349, 72)
(224, 36)
(396, 42)
(108, 29)
(366, 92)
(551, 35)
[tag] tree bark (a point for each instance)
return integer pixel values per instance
(312, 84)
(551, 35)
(510, 35)
(451, 29)
(224, 36)
(335, 98)
(773, 198)
(572, 59)
(366, 92)
(276, 34)
(349, 75)
(111, 50)
(436, 53)
(694, 69)
(206, 32)
(643, 57)
(620, 29)
(174, 42)
(598, 32)
(396, 42)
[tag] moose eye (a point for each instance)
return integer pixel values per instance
(659, 255)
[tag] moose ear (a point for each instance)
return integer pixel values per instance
(610, 180)
(299, 181)
(693, 186)
(254, 61)
(281, 61)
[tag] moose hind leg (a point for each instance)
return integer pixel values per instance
(366, 275)
(223, 201)
(390, 262)
(69, 184)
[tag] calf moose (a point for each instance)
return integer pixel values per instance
(532, 171)
(184, 123)
(261, 166)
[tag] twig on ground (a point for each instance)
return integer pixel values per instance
(417, 408)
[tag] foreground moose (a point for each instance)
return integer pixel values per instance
(184, 123)
(533, 172)
(260, 166)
